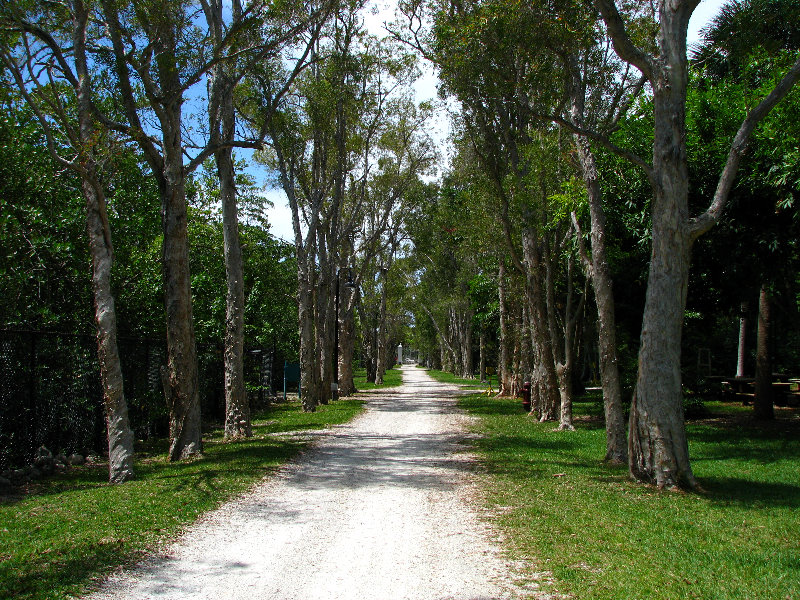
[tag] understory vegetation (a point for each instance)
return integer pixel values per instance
(593, 533)
(56, 536)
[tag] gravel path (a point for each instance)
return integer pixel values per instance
(378, 510)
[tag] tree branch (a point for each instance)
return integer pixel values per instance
(605, 142)
(702, 223)
(623, 45)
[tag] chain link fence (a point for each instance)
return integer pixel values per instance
(50, 391)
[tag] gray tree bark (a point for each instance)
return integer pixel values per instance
(658, 449)
(741, 349)
(545, 380)
(120, 435)
(222, 120)
(763, 405)
(347, 334)
(598, 270)
(380, 367)
(165, 96)
(504, 371)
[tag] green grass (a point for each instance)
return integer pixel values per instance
(602, 536)
(446, 377)
(392, 378)
(74, 527)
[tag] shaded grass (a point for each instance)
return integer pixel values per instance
(603, 536)
(446, 377)
(59, 534)
(392, 378)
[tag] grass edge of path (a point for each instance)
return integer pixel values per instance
(67, 533)
(590, 532)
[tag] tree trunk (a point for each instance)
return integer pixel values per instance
(305, 308)
(120, 436)
(658, 448)
(380, 367)
(740, 354)
(616, 443)
(237, 406)
(184, 409)
(222, 121)
(504, 361)
(166, 161)
(482, 356)
(467, 369)
(347, 344)
(324, 310)
(546, 379)
(763, 408)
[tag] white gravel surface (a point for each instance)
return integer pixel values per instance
(378, 509)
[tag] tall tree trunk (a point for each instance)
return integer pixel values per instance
(546, 379)
(305, 309)
(237, 406)
(741, 353)
(616, 442)
(347, 334)
(166, 161)
(658, 448)
(597, 267)
(324, 328)
(184, 409)
(504, 360)
(222, 121)
(566, 367)
(482, 355)
(120, 436)
(763, 408)
(380, 368)
(467, 368)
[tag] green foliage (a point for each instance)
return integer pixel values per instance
(593, 531)
(43, 248)
(70, 529)
(755, 242)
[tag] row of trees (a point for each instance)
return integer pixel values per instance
(150, 99)
(560, 105)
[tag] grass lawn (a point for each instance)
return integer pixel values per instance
(392, 378)
(60, 533)
(445, 377)
(600, 535)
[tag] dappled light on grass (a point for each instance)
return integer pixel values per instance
(76, 526)
(603, 536)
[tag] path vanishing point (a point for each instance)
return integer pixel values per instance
(378, 509)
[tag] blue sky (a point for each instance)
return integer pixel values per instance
(383, 11)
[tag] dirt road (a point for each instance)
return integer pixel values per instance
(379, 509)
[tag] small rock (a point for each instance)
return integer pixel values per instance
(42, 451)
(17, 474)
(4, 483)
(35, 474)
(76, 459)
(47, 468)
(60, 458)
